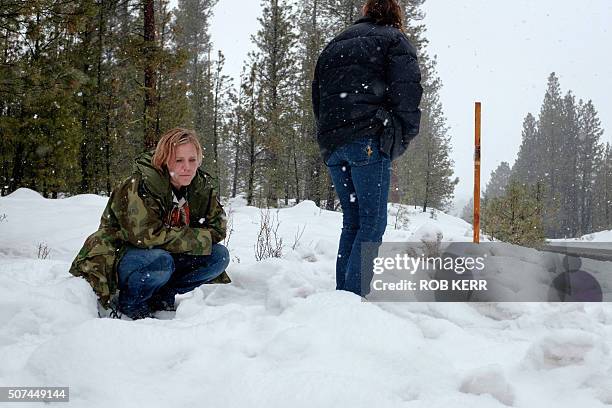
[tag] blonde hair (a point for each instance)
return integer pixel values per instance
(167, 145)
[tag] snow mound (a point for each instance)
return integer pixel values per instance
(236, 202)
(602, 386)
(489, 380)
(24, 194)
(564, 348)
(500, 311)
(326, 249)
(306, 206)
(87, 199)
(427, 232)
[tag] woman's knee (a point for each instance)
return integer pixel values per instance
(154, 263)
(161, 267)
(163, 259)
(221, 253)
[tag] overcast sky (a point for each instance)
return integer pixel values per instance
(495, 51)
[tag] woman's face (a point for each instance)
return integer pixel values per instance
(183, 165)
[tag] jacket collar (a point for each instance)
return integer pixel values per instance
(365, 19)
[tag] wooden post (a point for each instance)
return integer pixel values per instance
(477, 175)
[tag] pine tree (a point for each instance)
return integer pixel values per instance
(467, 213)
(516, 217)
(500, 177)
(567, 185)
(252, 125)
(39, 152)
(549, 151)
(313, 31)
(590, 153)
(73, 120)
(341, 13)
(602, 193)
(193, 40)
(123, 93)
(528, 167)
(237, 137)
(11, 52)
(172, 107)
(222, 98)
(149, 50)
(562, 152)
(275, 42)
(426, 169)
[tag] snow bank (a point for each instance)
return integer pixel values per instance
(280, 335)
(24, 194)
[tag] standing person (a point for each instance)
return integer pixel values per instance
(159, 234)
(365, 94)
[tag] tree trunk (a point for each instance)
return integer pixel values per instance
(236, 155)
(297, 178)
(251, 181)
(150, 101)
(83, 153)
(216, 126)
(331, 195)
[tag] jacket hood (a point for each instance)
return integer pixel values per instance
(143, 163)
(157, 182)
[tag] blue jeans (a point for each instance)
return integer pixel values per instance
(154, 274)
(361, 176)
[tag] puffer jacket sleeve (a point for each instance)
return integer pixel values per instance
(141, 224)
(404, 92)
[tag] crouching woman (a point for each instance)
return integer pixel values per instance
(159, 234)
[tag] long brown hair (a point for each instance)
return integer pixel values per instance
(385, 12)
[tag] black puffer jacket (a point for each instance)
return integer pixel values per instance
(367, 82)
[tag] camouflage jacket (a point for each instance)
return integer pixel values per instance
(134, 216)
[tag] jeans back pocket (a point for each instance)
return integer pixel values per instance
(364, 151)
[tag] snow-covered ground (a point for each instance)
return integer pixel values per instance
(279, 335)
(602, 236)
